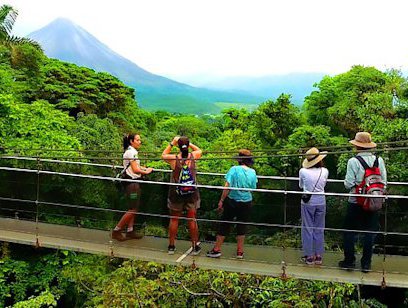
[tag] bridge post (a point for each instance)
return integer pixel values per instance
(284, 275)
(37, 205)
(111, 254)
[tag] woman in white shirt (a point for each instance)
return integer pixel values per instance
(133, 170)
(313, 178)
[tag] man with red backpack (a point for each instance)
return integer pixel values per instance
(366, 175)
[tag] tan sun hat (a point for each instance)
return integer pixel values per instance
(363, 140)
(313, 156)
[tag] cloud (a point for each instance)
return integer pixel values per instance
(259, 37)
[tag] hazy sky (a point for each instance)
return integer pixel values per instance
(236, 37)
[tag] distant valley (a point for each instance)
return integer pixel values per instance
(66, 41)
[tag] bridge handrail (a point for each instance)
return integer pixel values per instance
(272, 177)
(322, 147)
(256, 224)
(228, 157)
(279, 191)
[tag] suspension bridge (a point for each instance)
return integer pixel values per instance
(27, 219)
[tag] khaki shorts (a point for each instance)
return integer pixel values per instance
(186, 205)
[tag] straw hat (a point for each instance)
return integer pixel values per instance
(313, 156)
(363, 140)
(245, 157)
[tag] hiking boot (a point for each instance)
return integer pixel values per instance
(318, 260)
(213, 254)
(240, 254)
(347, 266)
(134, 235)
(171, 249)
(307, 260)
(117, 235)
(196, 250)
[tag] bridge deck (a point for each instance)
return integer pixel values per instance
(264, 260)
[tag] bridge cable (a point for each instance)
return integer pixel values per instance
(37, 243)
(112, 166)
(262, 224)
(321, 147)
(278, 191)
(222, 157)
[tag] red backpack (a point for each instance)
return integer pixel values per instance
(372, 184)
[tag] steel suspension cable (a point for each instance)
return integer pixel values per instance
(169, 171)
(220, 157)
(113, 179)
(321, 147)
(256, 224)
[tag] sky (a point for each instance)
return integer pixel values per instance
(182, 38)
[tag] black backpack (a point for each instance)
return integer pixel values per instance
(186, 177)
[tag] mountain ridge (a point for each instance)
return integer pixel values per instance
(153, 92)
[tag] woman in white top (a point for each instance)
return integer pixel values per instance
(313, 178)
(133, 170)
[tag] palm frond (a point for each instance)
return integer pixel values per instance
(15, 41)
(8, 16)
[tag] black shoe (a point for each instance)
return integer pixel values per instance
(347, 266)
(171, 249)
(213, 254)
(196, 250)
(365, 268)
(307, 260)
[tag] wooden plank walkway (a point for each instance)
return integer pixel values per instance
(263, 260)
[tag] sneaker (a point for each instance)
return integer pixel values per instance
(365, 268)
(196, 250)
(347, 266)
(318, 260)
(307, 260)
(134, 235)
(171, 249)
(240, 254)
(213, 254)
(117, 235)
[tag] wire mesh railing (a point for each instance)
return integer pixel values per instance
(41, 196)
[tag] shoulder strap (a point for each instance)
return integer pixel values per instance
(375, 165)
(362, 162)
(321, 169)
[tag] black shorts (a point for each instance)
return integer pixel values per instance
(241, 211)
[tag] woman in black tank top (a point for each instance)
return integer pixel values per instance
(183, 197)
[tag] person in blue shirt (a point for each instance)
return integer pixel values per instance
(236, 203)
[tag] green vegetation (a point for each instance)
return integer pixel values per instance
(223, 106)
(48, 105)
(80, 280)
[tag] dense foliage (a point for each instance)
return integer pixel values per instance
(45, 279)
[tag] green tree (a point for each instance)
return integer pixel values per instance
(276, 120)
(348, 101)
